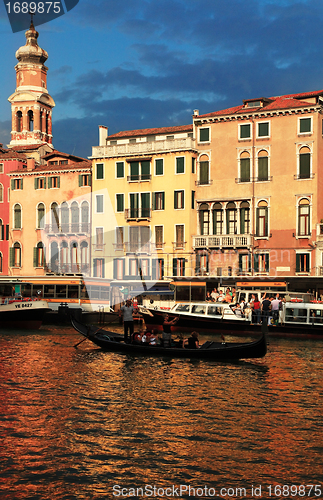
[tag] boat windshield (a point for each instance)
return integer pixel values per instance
(183, 308)
(198, 309)
(296, 314)
(214, 311)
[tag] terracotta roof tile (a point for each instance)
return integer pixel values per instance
(288, 101)
(151, 131)
(8, 154)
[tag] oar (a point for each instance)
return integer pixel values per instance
(83, 340)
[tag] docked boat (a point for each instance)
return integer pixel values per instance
(296, 319)
(20, 312)
(110, 341)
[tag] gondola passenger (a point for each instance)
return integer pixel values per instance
(192, 342)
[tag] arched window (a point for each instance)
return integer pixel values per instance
(64, 257)
(204, 175)
(19, 121)
(75, 216)
(244, 167)
(65, 216)
(84, 256)
(54, 217)
(17, 216)
(304, 168)
(262, 166)
(304, 217)
(30, 116)
(217, 218)
(244, 218)
(1, 193)
(40, 216)
(231, 213)
(39, 255)
(54, 257)
(15, 255)
(204, 215)
(85, 216)
(262, 219)
(75, 257)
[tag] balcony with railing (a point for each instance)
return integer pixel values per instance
(179, 245)
(72, 228)
(143, 147)
(222, 241)
(139, 178)
(137, 213)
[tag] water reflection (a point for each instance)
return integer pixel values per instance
(74, 422)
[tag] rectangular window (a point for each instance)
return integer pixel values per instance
(180, 165)
(304, 166)
(84, 180)
(204, 172)
(54, 182)
(120, 169)
(99, 203)
(179, 243)
(98, 268)
(245, 131)
(193, 200)
(179, 199)
(262, 222)
(245, 170)
(99, 171)
(261, 262)
(305, 125)
(16, 184)
(244, 263)
(159, 167)
(140, 171)
(193, 165)
(204, 134)
(120, 202)
(303, 262)
(119, 238)
(157, 269)
(263, 129)
(159, 201)
(179, 267)
(159, 236)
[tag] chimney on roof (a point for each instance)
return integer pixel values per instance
(103, 134)
(30, 164)
(196, 112)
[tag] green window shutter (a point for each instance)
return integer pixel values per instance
(12, 257)
(159, 165)
(145, 204)
(204, 134)
(36, 183)
(201, 222)
(242, 220)
(298, 263)
(120, 169)
(175, 199)
(153, 202)
(154, 269)
(240, 263)
(145, 170)
(35, 257)
(204, 172)
(90, 179)
(193, 165)
(193, 200)
(99, 171)
(174, 267)
(58, 182)
(257, 221)
(267, 262)
(266, 221)
(22, 183)
(305, 125)
(263, 129)
(304, 165)
(180, 165)
(12, 183)
(263, 168)
(256, 262)
(245, 169)
(163, 201)
(49, 183)
(80, 180)
(45, 179)
(245, 131)
(7, 232)
(307, 257)
(134, 170)
(228, 221)
(120, 203)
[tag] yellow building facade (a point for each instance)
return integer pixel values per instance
(143, 205)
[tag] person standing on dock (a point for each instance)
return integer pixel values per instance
(127, 311)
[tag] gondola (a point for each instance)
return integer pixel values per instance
(110, 341)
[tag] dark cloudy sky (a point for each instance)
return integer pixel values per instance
(135, 64)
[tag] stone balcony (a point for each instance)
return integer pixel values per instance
(222, 241)
(142, 148)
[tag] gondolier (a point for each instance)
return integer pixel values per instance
(127, 311)
(167, 330)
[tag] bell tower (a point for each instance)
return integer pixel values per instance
(31, 104)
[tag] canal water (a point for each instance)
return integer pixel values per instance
(80, 423)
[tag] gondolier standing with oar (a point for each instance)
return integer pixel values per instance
(127, 310)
